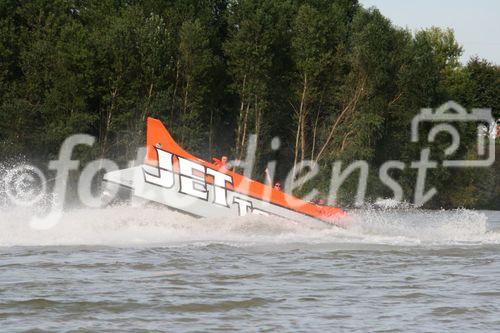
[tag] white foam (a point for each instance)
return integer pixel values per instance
(130, 226)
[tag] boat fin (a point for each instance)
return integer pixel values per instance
(159, 137)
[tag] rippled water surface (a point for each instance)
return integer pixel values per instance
(129, 269)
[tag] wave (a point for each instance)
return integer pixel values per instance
(136, 226)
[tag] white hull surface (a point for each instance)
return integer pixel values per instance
(238, 204)
(174, 178)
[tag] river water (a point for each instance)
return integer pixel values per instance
(126, 269)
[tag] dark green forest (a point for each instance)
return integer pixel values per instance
(333, 80)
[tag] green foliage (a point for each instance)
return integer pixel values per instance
(333, 80)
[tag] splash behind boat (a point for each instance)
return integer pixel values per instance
(174, 178)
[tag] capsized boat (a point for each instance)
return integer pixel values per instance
(174, 178)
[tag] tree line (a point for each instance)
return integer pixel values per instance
(333, 80)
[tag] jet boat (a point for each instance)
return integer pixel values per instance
(172, 177)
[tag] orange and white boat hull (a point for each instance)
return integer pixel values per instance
(174, 178)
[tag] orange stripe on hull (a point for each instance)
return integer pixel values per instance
(157, 134)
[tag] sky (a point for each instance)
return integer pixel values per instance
(476, 22)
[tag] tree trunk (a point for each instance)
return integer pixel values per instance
(351, 106)
(296, 150)
(258, 119)
(315, 131)
(146, 108)
(210, 133)
(174, 94)
(185, 111)
(239, 131)
(244, 134)
(107, 124)
(300, 135)
(186, 97)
